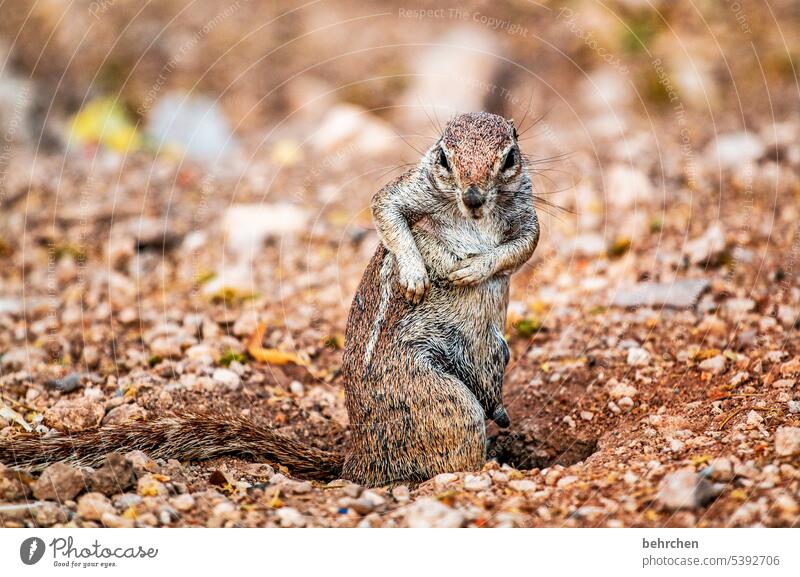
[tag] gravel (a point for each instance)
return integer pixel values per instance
(74, 415)
(59, 482)
(684, 489)
(114, 476)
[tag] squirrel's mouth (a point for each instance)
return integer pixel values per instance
(474, 213)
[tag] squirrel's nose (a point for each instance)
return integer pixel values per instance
(473, 198)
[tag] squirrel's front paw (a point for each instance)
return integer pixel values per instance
(414, 281)
(473, 270)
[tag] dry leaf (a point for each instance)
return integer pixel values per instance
(10, 414)
(269, 356)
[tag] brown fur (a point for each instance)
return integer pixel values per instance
(187, 435)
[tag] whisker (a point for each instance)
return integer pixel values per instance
(527, 110)
(552, 205)
(536, 120)
(546, 159)
(393, 168)
(437, 129)
(414, 148)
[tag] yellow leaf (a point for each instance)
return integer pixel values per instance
(104, 121)
(704, 354)
(274, 356)
(270, 356)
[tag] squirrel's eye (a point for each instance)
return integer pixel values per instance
(511, 160)
(442, 160)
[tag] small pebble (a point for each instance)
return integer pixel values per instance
(522, 485)
(401, 494)
(149, 486)
(228, 378)
(92, 506)
(637, 357)
(74, 415)
(290, 517)
(442, 480)
(715, 365)
(115, 476)
(183, 502)
(430, 512)
(684, 489)
(787, 441)
(59, 482)
(477, 482)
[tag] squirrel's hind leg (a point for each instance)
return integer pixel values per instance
(417, 436)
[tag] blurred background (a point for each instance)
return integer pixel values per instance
(185, 186)
(311, 107)
(278, 121)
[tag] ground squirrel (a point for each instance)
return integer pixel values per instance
(424, 350)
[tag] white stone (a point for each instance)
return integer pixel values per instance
(787, 441)
(754, 419)
(715, 365)
(617, 390)
(458, 72)
(248, 226)
(522, 485)
(684, 489)
(290, 517)
(228, 378)
(477, 482)
(676, 445)
(627, 187)
(734, 149)
(566, 481)
(721, 469)
(626, 403)
(184, 502)
(637, 357)
(351, 127)
(739, 378)
(192, 124)
(706, 247)
(444, 479)
(430, 512)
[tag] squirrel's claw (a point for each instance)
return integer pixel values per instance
(500, 416)
(414, 284)
(472, 270)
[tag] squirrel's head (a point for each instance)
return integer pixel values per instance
(476, 159)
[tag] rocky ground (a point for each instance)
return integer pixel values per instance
(654, 335)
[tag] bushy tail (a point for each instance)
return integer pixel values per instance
(184, 436)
